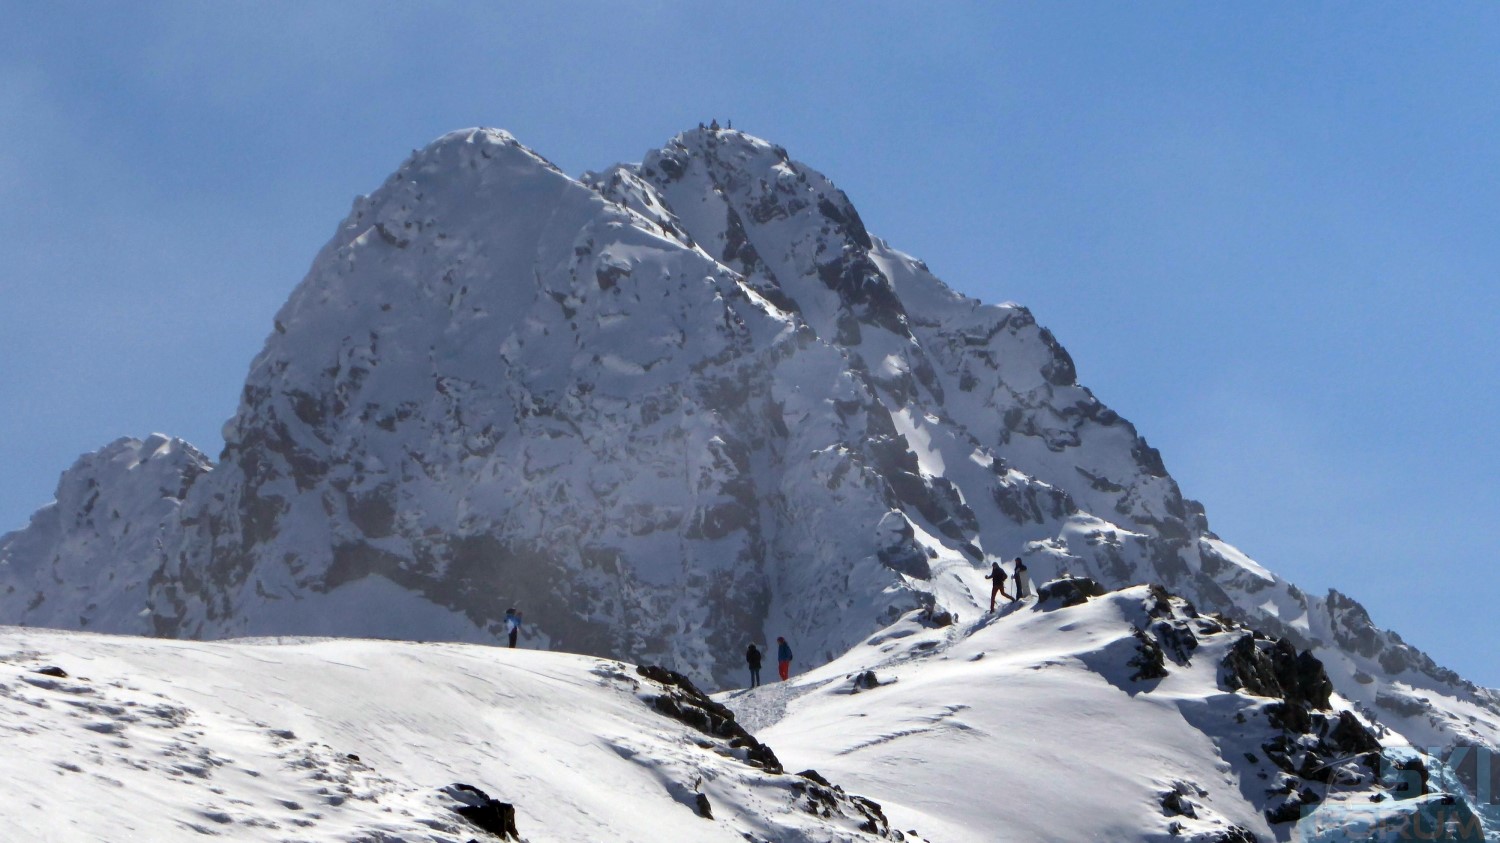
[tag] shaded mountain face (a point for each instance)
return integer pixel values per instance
(665, 410)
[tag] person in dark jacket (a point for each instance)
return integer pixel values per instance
(783, 658)
(997, 578)
(1022, 580)
(752, 658)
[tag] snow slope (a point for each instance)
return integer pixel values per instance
(1041, 722)
(1038, 722)
(350, 740)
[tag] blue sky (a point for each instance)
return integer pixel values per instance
(1266, 232)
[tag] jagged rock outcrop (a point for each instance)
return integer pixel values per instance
(1296, 741)
(674, 695)
(681, 700)
(490, 814)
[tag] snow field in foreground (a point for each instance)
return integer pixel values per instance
(351, 740)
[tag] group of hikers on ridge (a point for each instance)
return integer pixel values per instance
(783, 660)
(996, 576)
(997, 586)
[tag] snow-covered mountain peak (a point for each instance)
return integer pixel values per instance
(94, 545)
(486, 153)
(785, 227)
(667, 410)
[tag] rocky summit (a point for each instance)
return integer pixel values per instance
(664, 410)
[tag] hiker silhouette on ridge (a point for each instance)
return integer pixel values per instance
(1022, 579)
(997, 578)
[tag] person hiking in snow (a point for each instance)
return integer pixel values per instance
(752, 658)
(783, 657)
(997, 578)
(512, 625)
(1021, 578)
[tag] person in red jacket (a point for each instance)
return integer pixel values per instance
(783, 657)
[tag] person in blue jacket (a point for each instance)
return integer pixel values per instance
(512, 625)
(783, 657)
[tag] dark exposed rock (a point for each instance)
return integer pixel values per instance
(1172, 633)
(1059, 371)
(1067, 591)
(1271, 667)
(1176, 639)
(684, 702)
(1354, 630)
(1412, 778)
(1350, 737)
(1315, 747)
(705, 810)
(815, 776)
(1148, 662)
(938, 617)
(739, 252)
(908, 559)
(865, 290)
(845, 215)
(1309, 746)
(821, 800)
(608, 276)
(1174, 804)
(1030, 502)
(492, 815)
(1149, 459)
(52, 670)
(1293, 806)
(1314, 744)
